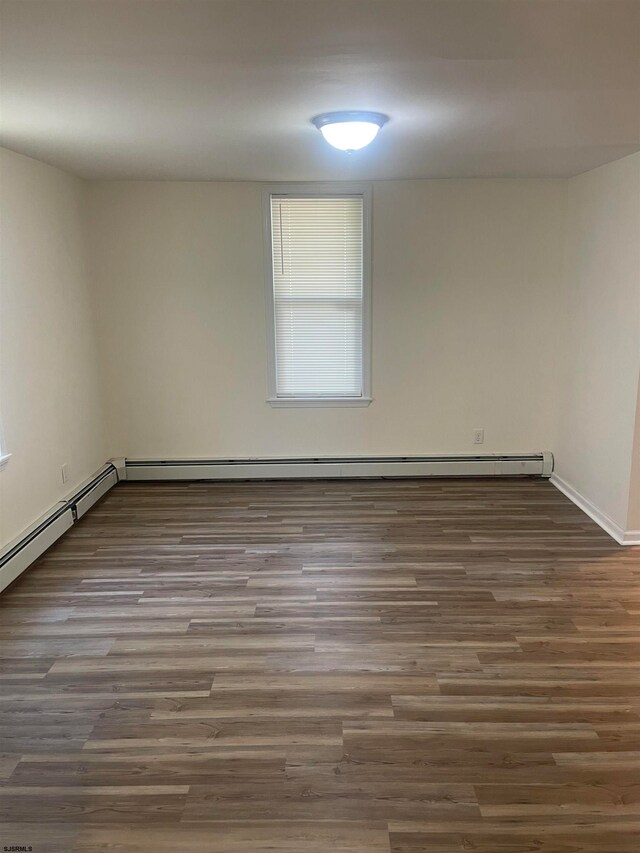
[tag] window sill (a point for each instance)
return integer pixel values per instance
(318, 402)
(4, 458)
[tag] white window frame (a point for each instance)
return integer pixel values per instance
(314, 190)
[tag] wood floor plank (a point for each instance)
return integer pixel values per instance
(392, 666)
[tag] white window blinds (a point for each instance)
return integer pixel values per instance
(317, 257)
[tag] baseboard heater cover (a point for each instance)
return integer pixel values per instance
(21, 553)
(491, 465)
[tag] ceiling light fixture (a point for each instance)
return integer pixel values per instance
(349, 130)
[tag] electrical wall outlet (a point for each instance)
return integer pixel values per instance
(478, 436)
(64, 472)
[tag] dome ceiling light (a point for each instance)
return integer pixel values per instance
(349, 130)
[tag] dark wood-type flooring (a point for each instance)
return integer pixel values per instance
(324, 667)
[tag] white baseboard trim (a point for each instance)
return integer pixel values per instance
(33, 542)
(488, 465)
(622, 537)
(120, 464)
(36, 539)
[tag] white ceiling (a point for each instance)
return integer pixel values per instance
(224, 89)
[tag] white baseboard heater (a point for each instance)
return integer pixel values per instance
(490, 465)
(18, 555)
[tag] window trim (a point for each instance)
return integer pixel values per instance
(313, 189)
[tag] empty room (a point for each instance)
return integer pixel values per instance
(320, 426)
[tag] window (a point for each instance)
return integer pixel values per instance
(318, 296)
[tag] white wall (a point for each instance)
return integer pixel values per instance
(51, 409)
(633, 515)
(594, 449)
(465, 335)
(512, 305)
